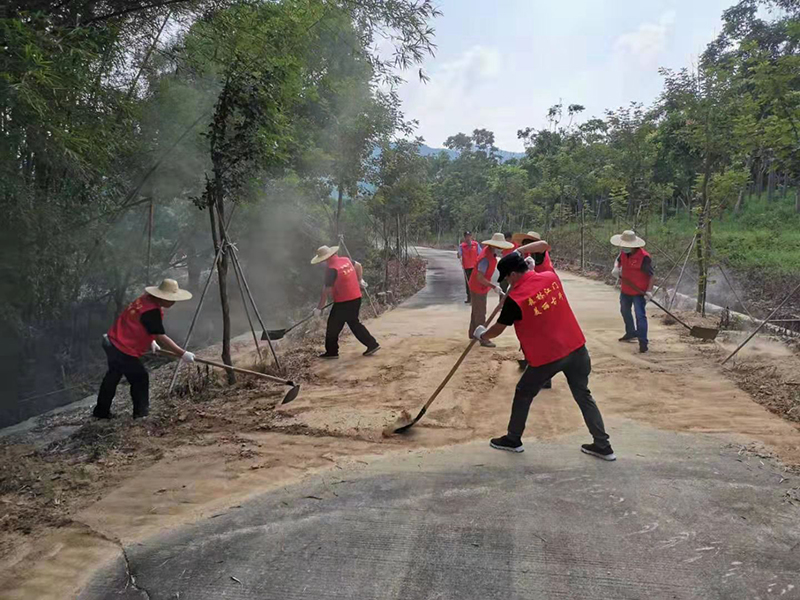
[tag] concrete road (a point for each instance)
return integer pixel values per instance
(677, 516)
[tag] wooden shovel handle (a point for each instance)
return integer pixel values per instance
(224, 366)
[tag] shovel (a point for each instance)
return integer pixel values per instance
(290, 395)
(703, 333)
(276, 334)
(407, 426)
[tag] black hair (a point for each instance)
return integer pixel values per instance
(508, 234)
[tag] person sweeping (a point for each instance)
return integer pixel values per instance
(137, 330)
(552, 342)
(480, 282)
(343, 283)
(635, 267)
(468, 251)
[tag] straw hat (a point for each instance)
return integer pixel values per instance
(628, 239)
(168, 290)
(498, 241)
(519, 238)
(324, 253)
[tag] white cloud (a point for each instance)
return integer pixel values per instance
(649, 40)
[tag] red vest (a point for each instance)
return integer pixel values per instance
(474, 284)
(347, 286)
(632, 271)
(548, 330)
(546, 265)
(510, 250)
(127, 333)
(469, 255)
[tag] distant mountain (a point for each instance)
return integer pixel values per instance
(505, 155)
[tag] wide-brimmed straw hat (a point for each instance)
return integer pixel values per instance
(519, 238)
(498, 241)
(324, 253)
(168, 290)
(627, 239)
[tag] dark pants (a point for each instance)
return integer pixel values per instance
(638, 303)
(467, 275)
(341, 313)
(120, 364)
(576, 366)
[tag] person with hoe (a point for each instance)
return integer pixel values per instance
(480, 282)
(634, 267)
(343, 283)
(553, 343)
(137, 330)
(468, 251)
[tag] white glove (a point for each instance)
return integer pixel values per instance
(648, 296)
(317, 313)
(363, 284)
(154, 347)
(498, 289)
(530, 262)
(187, 357)
(615, 272)
(478, 333)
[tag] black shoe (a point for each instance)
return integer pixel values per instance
(466, 301)
(595, 450)
(140, 415)
(548, 384)
(523, 364)
(627, 338)
(371, 351)
(643, 347)
(98, 415)
(327, 356)
(507, 444)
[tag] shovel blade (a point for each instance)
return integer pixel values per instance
(274, 334)
(291, 394)
(704, 333)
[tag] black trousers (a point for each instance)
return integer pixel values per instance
(119, 365)
(346, 313)
(468, 274)
(576, 366)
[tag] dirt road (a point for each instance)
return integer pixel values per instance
(336, 424)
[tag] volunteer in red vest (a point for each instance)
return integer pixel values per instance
(509, 238)
(553, 343)
(480, 282)
(343, 283)
(634, 267)
(139, 329)
(540, 259)
(468, 252)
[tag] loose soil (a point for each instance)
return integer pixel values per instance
(203, 454)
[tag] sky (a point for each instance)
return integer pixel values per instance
(501, 64)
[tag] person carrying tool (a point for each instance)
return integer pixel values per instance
(509, 238)
(480, 282)
(541, 259)
(343, 283)
(553, 343)
(468, 251)
(137, 330)
(635, 269)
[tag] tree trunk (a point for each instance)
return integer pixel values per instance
(222, 271)
(760, 179)
(340, 193)
(703, 232)
(771, 184)
(797, 199)
(740, 200)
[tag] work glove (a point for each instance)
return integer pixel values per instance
(478, 333)
(648, 296)
(187, 357)
(615, 272)
(317, 313)
(154, 347)
(531, 262)
(499, 290)
(363, 284)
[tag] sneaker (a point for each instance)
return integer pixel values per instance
(97, 415)
(548, 385)
(371, 351)
(627, 338)
(507, 444)
(327, 356)
(488, 344)
(643, 347)
(523, 364)
(595, 450)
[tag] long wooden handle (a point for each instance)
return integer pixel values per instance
(460, 360)
(224, 366)
(308, 318)
(654, 301)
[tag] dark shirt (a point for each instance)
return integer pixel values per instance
(510, 313)
(152, 322)
(330, 277)
(647, 266)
